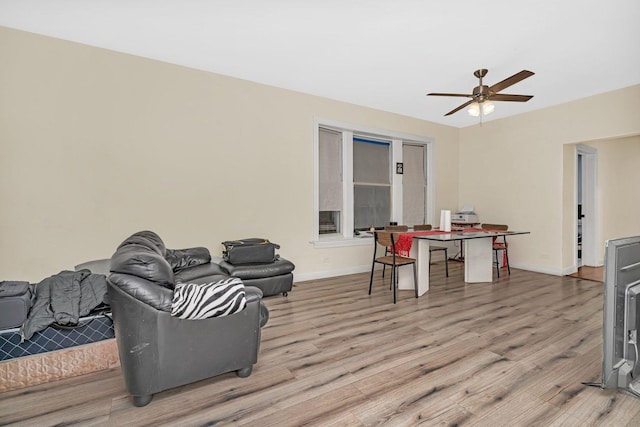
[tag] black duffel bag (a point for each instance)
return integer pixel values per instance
(15, 302)
(250, 251)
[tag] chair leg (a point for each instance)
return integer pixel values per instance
(446, 262)
(384, 266)
(371, 279)
(497, 263)
(394, 278)
(506, 255)
(415, 278)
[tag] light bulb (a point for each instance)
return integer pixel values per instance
(474, 110)
(488, 107)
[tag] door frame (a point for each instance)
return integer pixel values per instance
(590, 208)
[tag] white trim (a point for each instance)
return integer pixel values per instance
(331, 273)
(337, 241)
(590, 236)
(569, 270)
(374, 132)
(316, 184)
(540, 269)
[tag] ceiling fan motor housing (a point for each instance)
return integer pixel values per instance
(481, 93)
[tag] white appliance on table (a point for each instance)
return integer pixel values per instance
(465, 216)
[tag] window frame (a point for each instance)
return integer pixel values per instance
(346, 237)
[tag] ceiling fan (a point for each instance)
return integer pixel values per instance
(483, 94)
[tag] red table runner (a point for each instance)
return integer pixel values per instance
(405, 238)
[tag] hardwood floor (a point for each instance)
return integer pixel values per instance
(511, 353)
(590, 273)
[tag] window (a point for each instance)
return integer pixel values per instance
(414, 184)
(330, 181)
(371, 183)
(358, 185)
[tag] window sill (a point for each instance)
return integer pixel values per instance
(341, 241)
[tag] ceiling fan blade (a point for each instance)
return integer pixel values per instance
(511, 80)
(450, 94)
(505, 97)
(459, 108)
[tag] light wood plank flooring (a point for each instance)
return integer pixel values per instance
(590, 273)
(511, 353)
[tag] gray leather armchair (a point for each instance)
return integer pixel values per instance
(158, 351)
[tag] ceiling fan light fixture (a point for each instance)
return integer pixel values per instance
(488, 107)
(474, 109)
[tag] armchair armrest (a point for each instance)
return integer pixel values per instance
(180, 259)
(254, 294)
(144, 290)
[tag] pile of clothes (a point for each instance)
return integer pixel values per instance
(63, 298)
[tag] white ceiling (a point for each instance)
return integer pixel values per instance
(383, 54)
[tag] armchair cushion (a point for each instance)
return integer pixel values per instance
(203, 273)
(258, 271)
(201, 301)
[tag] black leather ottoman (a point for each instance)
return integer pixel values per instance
(271, 279)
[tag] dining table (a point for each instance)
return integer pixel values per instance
(478, 253)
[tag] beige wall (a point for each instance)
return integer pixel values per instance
(618, 188)
(97, 145)
(513, 171)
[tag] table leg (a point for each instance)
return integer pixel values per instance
(419, 251)
(478, 261)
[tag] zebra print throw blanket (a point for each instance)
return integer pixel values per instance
(201, 301)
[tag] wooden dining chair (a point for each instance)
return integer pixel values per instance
(393, 228)
(499, 246)
(427, 227)
(395, 261)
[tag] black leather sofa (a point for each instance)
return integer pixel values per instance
(271, 278)
(159, 351)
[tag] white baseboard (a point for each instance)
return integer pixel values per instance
(366, 268)
(539, 269)
(570, 270)
(331, 273)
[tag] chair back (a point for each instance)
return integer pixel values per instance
(496, 227)
(386, 239)
(399, 228)
(422, 227)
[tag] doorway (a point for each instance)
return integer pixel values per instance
(580, 214)
(586, 206)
